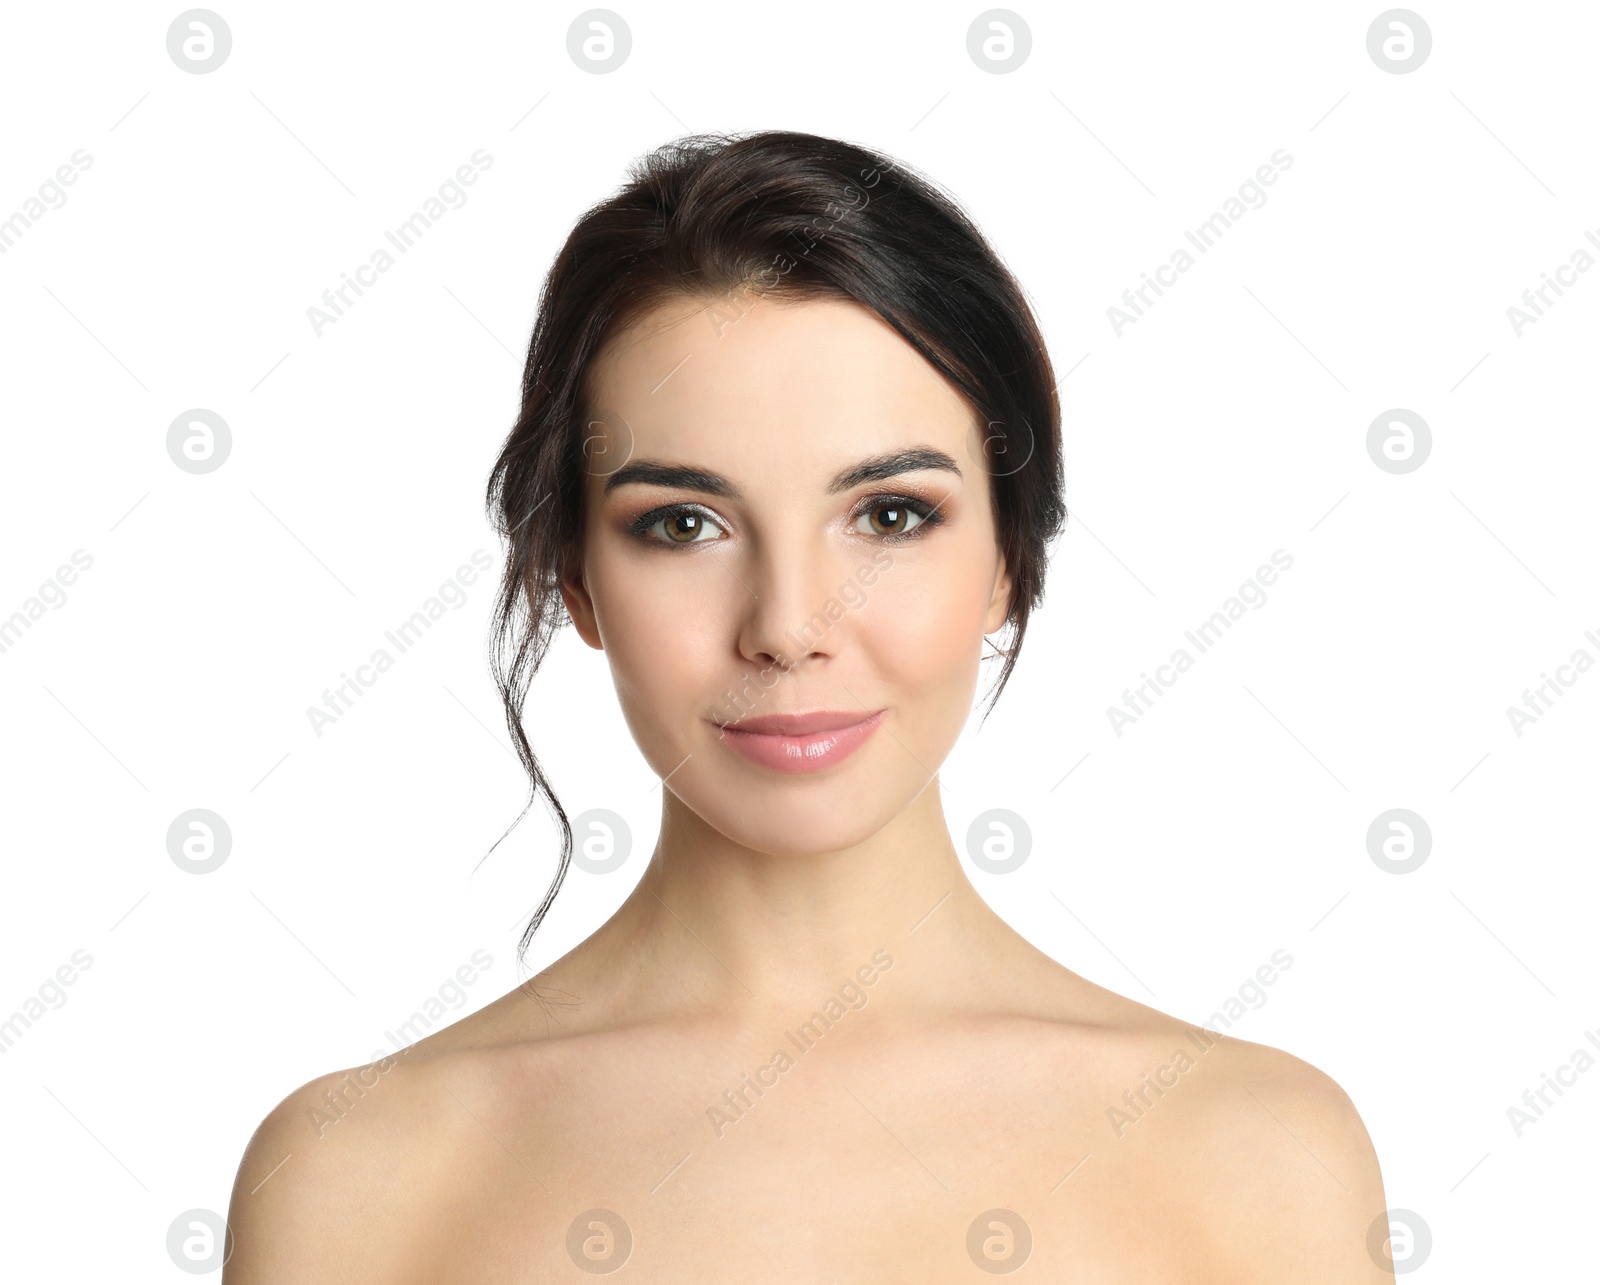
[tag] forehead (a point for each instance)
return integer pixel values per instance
(798, 387)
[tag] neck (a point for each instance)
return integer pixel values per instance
(718, 928)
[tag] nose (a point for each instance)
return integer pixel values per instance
(787, 621)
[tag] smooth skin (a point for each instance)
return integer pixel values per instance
(973, 1073)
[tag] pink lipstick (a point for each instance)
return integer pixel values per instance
(800, 742)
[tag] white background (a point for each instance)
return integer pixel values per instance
(1229, 421)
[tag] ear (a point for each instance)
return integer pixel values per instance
(1000, 601)
(575, 593)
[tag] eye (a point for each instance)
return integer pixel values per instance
(681, 524)
(894, 516)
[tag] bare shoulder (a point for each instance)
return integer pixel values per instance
(1261, 1157)
(1288, 1183)
(336, 1177)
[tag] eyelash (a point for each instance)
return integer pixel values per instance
(929, 514)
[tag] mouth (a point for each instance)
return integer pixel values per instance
(800, 742)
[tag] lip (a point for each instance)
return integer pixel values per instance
(800, 742)
(817, 720)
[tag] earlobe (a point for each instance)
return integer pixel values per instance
(1000, 602)
(575, 593)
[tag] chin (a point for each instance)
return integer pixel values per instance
(785, 821)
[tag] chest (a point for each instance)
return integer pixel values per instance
(834, 1177)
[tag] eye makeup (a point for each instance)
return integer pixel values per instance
(926, 513)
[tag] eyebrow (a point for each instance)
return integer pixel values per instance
(874, 468)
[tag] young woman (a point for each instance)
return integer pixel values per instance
(789, 453)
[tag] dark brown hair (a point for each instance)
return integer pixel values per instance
(785, 214)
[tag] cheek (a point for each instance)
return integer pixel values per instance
(924, 622)
(661, 655)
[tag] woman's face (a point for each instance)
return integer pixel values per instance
(735, 570)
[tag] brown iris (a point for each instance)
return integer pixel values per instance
(896, 522)
(684, 525)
